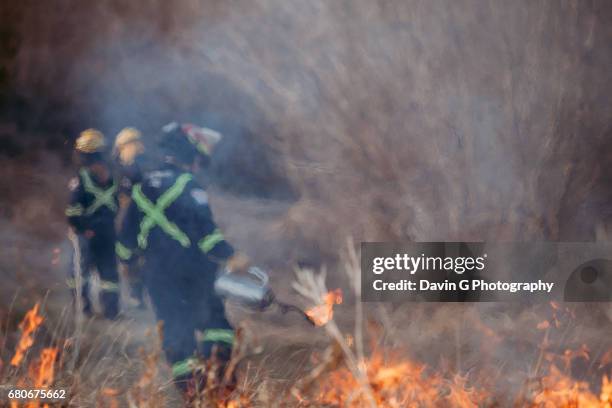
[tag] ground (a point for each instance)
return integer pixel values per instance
(501, 348)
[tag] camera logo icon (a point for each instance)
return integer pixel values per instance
(590, 282)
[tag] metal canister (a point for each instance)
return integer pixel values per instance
(250, 290)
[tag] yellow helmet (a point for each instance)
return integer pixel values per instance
(128, 145)
(90, 141)
(127, 135)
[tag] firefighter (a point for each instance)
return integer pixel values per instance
(91, 215)
(128, 151)
(170, 222)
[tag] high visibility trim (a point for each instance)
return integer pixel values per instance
(207, 243)
(184, 367)
(154, 213)
(109, 286)
(122, 251)
(74, 210)
(101, 197)
(219, 335)
(201, 147)
(71, 283)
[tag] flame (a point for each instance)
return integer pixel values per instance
(323, 313)
(238, 402)
(559, 390)
(45, 374)
(28, 326)
(110, 392)
(606, 391)
(386, 378)
(543, 325)
(410, 384)
(402, 384)
(110, 396)
(40, 375)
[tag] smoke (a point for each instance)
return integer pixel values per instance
(378, 120)
(388, 119)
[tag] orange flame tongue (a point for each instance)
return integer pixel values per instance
(28, 326)
(323, 313)
(46, 369)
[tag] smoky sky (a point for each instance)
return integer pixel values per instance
(412, 119)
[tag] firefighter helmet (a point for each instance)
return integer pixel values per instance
(185, 142)
(128, 145)
(90, 141)
(204, 139)
(127, 135)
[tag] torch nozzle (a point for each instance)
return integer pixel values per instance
(286, 308)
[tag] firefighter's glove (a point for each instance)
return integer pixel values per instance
(239, 262)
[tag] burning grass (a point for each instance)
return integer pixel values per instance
(346, 373)
(323, 313)
(398, 382)
(28, 326)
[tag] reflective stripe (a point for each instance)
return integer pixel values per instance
(207, 243)
(101, 197)
(106, 286)
(74, 210)
(154, 213)
(71, 283)
(184, 367)
(201, 147)
(109, 286)
(122, 251)
(219, 335)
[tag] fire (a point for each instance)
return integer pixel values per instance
(559, 390)
(44, 373)
(238, 402)
(606, 391)
(28, 326)
(323, 313)
(404, 383)
(109, 396)
(389, 379)
(384, 378)
(401, 384)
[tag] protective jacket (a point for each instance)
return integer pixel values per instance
(92, 208)
(92, 205)
(169, 222)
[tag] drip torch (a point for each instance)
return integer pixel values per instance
(253, 291)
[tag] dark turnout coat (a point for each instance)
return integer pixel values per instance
(169, 222)
(92, 207)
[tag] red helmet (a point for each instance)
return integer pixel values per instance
(204, 139)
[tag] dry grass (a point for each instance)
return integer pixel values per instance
(357, 366)
(389, 120)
